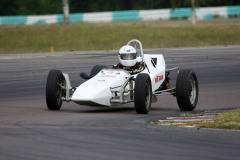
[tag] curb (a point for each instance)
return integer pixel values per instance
(189, 119)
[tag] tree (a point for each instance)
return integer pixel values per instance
(65, 11)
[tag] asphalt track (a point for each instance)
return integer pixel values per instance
(29, 131)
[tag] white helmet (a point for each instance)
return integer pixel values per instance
(128, 56)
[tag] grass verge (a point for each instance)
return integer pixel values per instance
(219, 119)
(111, 36)
(227, 120)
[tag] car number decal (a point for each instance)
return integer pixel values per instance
(158, 78)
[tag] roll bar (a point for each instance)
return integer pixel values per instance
(135, 41)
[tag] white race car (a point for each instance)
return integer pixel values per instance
(108, 87)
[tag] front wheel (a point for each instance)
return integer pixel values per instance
(187, 90)
(55, 89)
(142, 93)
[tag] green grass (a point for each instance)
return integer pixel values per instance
(111, 36)
(227, 120)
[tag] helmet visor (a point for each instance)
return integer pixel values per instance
(128, 56)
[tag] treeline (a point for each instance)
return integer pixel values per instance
(41, 7)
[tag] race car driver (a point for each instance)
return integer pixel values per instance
(128, 60)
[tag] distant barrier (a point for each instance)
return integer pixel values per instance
(205, 13)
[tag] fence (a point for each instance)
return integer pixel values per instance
(205, 13)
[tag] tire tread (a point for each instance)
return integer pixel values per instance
(51, 87)
(139, 97)
(182, 90)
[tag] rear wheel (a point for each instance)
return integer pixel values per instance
(55, 89)
(187, 90)
(96, 69)
(142, 93)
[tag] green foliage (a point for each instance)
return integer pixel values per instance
(110, 5)
(202, 3)
(30, 7)
(8, 7)
(40, 7)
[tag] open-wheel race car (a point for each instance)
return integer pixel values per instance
(136, 78)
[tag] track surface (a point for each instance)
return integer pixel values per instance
(29, 131)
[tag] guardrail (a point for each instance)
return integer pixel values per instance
(205, 13)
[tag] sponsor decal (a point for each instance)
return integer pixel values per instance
(112, 76)
(158, 78)
(110, 72)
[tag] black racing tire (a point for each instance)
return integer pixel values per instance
(142, 93)
(96, 69)
(54, 91)
(187, 90)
